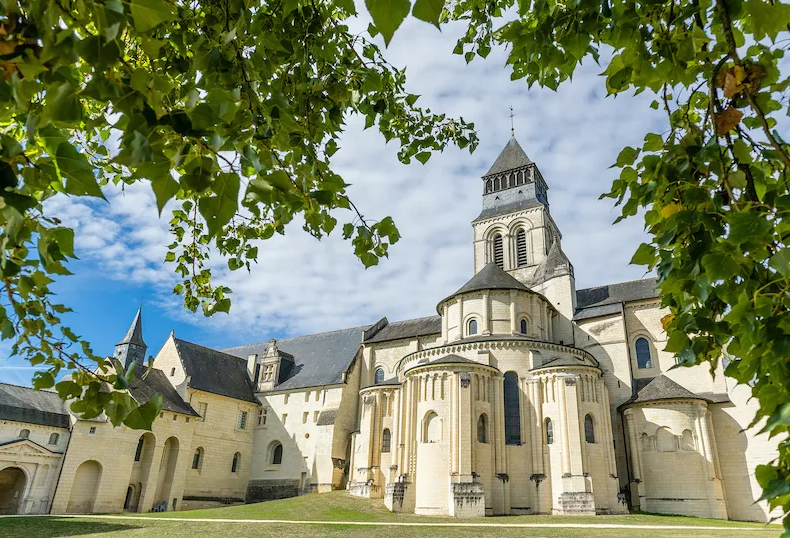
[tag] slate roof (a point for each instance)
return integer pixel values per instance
(23, 404)
(135, 333)
(409, 328)
(564, 361)
(521, 205)
(319, 359)
(661, 388)
(453, 359)
(326, 417)
(511, 157)
(555, 264)
(604, 300)
(490, 277)
(156, 382)
(216, 372)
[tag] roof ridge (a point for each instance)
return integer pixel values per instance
(278, 340)
(206, 347)
(616, 283)
(414, 319)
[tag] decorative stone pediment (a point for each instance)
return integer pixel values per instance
(26, 449)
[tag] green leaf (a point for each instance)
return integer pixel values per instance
(148, 14)
(781, 262)
(164, 189)
(79, 174)
(388, 15)
(142, 417)
(423, 156)
(627, 156)
(428, 10)
(220, 208)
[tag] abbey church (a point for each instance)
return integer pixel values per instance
(522, 395)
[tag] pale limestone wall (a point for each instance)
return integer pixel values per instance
(40, 464)
(385, 355)
(346, 400)
(538, 224)
(219, 436)
(561, 293)
(169, 362)
(113, 450)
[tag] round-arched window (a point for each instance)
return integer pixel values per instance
(482, 429)
(277, 454)
(197, 457)
(235, 465)
(523, 326)
(24, 434)
(54, 438)
(589, 429)
(512, 409)
(378, 376)
(498, 252)
(643, 358)
(471, 327)
(521, 248)
(549, 432)
(386, 440)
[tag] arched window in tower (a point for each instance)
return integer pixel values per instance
(482, 429)
(549, 427)
(523, 326)
(643, 359)
(139, 452)
(471, 327)
(498, 252)
(378, 377)
(589, 429)
(512, 411)
(521, 248)
(386, 441)
(489, 186)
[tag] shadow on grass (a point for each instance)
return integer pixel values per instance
(40, 527)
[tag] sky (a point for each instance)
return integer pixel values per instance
(302, 286)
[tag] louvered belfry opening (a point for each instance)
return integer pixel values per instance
(499, 253)
(521, 248)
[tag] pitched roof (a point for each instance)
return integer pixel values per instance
(215, 372)
(319, 359)
(23, 404)
(409, 328)
(135, 333)
(566, 360)
(511, 157)
(519, 205)
(621, 292)
(156, 383)
(662, 388)
(490, 277)
(555, 264)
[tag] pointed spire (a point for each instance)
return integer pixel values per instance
(511, 158)
(135, 333)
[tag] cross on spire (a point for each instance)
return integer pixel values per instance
(512, 127)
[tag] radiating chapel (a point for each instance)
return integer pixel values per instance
(522, 395)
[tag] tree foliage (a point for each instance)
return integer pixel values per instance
(230, 109)
(714, 185)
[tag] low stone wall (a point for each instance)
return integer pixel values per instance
(467, 500)
(267, 490)
(577, 503)
(200, 503)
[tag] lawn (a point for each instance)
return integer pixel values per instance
(339, 506)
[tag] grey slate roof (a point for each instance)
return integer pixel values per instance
(135, 333)
(511, 157)
(216, 372)
(409, 328)
(319, 359)
(326, 417)
(156, 383)
(617, 293)
(597, 311)
(520, 205)
(453, 359)
(23, 404)
(661, 388)
(490, 277)
(555, 264)
(563, 361)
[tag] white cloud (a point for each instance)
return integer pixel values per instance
(302, 285)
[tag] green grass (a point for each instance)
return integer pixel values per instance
(339, 506)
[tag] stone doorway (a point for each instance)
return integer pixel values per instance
(12, 489)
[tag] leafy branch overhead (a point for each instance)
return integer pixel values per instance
(230, 109)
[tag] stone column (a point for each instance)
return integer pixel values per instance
(566, 447)
(395, 437)
(513, 322)
(498, 438)
(445, 322)
(636, 465)
(715, 491)
(486, 313)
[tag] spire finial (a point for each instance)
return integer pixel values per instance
(512, 126)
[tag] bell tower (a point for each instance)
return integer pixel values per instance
(515, 230)
(132, 348)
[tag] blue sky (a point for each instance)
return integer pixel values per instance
(302, 286)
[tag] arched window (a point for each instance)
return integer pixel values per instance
(687, 441)
(482, 429)
(54, 438)
(139, 452)
(665, 441)
(432, 428)
(589, 429)
(489, 186)
(643, 359)
(277, 454)
(197, 457)
(471, 327)
(523, 326)
(24, 434)
(235, 465)
(512, 411)
(386, 441)
(498, 251)
(172, 372)
(378, 377)
(521, 248)
(647, 443)
(549, 431)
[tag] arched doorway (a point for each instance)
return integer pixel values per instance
(129, 504)
(167, 470)
(12, 488)
(84, 488)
